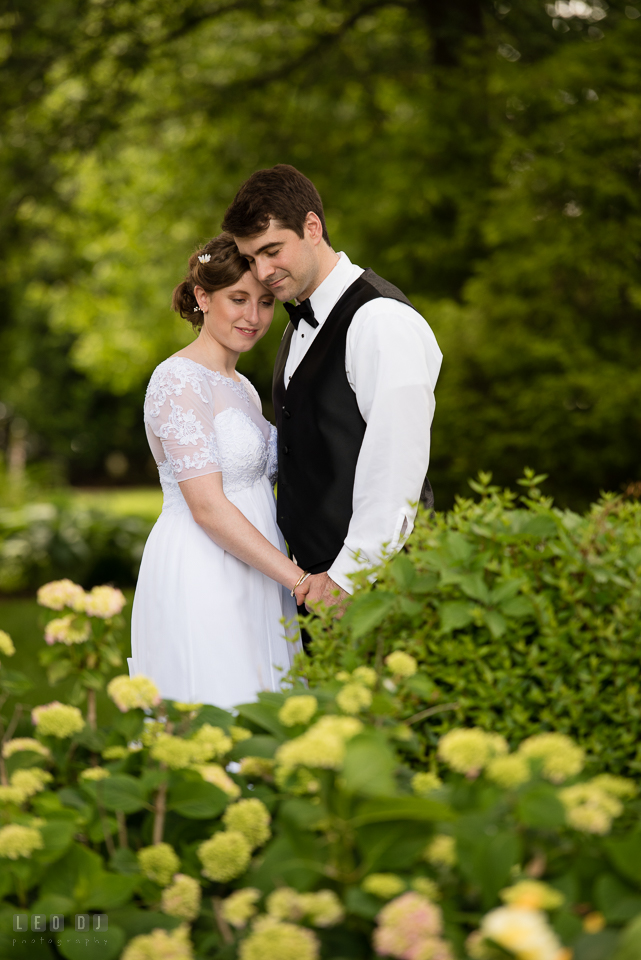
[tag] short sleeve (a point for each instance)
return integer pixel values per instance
(179, 412)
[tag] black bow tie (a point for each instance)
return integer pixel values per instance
(302, 311)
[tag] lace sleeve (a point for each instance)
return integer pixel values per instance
(179, 411)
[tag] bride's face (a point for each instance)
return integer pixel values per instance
(237, 316)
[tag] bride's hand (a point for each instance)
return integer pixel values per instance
(301, 591)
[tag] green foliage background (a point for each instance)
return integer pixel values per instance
(484, 158)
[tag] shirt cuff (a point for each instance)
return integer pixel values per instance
(344, 564)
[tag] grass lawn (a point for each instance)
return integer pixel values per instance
(21, 618)
(145, 502)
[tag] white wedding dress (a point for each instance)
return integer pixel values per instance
(206, 627)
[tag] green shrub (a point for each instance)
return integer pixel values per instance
(523, 616)
(323, 843)
(45, 541)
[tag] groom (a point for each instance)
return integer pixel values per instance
(353, 386)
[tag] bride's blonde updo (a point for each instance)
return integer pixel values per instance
(218, 264)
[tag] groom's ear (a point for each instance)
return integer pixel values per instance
(313, 227)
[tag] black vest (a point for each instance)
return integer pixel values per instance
(320, 432)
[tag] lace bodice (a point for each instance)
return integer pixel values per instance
(200, 422)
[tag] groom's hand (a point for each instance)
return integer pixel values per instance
(323, 590)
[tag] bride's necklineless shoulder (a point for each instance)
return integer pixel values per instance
(176, 356)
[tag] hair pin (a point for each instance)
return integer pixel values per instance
(196, 309)
(205, 257)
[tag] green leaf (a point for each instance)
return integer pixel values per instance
(73, 875)
(58, 836)
(497, 624)
(421, 684)
(368, 611)
(125, 861)
(256, 747)
(457, 547)
(105, 945)
(110, 890)
(59, 670)
(361, 904)
(403, 571)
(474, 586)
(191, 796)
(214, 716)
(14, 683)
(135, 921)
(265, 717)
(539, 806)
(629, 947)
(369, 766)
(455, 615)
(539, 527)
(625, 854)
(152, 778)
(597, 946)
(507, 590)
(518, 607)
(122, 792)
(487, 858)
(617, 902)
(400, 808)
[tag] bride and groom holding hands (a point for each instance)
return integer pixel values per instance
(353, 397)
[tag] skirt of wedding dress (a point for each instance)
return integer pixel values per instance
(206, 627)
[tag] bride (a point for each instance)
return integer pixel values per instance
(215, 579)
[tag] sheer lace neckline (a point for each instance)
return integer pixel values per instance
(209, 370)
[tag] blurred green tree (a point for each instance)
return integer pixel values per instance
(484, 158)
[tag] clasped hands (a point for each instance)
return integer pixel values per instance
(320, 588)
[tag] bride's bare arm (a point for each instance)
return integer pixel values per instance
(232, 531)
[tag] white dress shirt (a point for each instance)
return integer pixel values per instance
(392, 361)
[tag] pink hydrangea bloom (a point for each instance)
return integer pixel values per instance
(409, 928)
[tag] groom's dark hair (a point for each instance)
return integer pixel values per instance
(279, 193)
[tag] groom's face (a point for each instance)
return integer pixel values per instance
(282, 261)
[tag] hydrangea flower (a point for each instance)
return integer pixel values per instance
(275, 940)
(57, 719)
(11, 795)
(182, 898)
(94, 774)
(561, 757)
(298, 710)
(615, 786)
(224, 856)
(6, 644)
(409, 928)
(426, 888)
(257, 767)
(211, 742)
(589, 808)
(523, 932)
(19, 841)
(238, 734)
(383, 885)
(284, 904)
(322, 908)
(240, 906)
(30, 781)
(441, 851)
(131, 693)
(60, 594)
(323, 745)
(159, 863)
(160, 945)
(115, 752)
(469, 750)
(24, 744)
(533, 895)
(214, 773)
(509, 772)
(401, 664)
(251, 818)
(354, 697)
(104, 602)
(67, 630)
(425, 783)
(366, 675)
(186, 707)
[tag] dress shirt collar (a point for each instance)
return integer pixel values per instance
(331, 289)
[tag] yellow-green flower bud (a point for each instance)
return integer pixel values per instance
(57, 720)
(159, 863)
(383, 885)
(182, 898)
(401, 664)
(322, 908)
(297, 710)
(353, 698)
(131, 693)
(240, 907)
(366, 675)
(19, 841)
(25, 745)
(251, 818)
(238, 734)
(160, 945)
(532, 895)
(441, 851)
(214, 773)
(425, 783)
(561, 757)
(272, 939)
(509, 772)
(225, 856)
(95, 773)
(6, 644)
(60, 594)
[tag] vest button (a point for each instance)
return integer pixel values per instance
(286, 413)
(285, 449)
